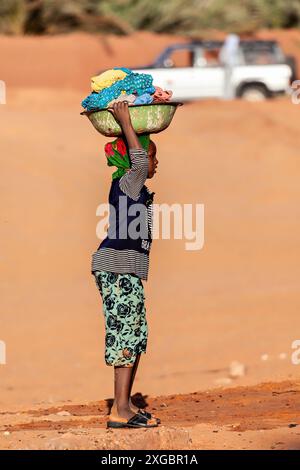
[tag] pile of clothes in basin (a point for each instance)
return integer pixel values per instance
(122, 84)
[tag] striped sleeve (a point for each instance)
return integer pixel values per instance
(132, 182)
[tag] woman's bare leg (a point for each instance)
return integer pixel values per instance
(122, 408)
(132, 406)
(122, 384)
(122, 379)
(134, 370)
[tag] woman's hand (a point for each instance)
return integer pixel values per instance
(121, 114)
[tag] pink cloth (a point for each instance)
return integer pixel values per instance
(161, 95)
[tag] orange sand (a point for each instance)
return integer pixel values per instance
(235, 299)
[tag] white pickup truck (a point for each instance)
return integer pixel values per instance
(193, 70)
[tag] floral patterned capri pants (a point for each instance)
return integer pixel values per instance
(126, 329)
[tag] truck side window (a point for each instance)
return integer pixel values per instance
(206, 57)
(179, 58)
(262, 57)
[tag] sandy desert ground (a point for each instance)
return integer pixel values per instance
(237, 299)
(257, 417)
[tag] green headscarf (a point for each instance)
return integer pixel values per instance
(116, 154)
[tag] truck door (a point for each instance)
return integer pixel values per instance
(178, 74)
(208, 73)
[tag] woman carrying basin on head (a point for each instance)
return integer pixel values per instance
(121, 263)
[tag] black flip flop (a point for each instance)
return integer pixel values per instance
(148, 415)
(137, 421)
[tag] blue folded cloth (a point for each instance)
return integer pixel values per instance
(144, 99)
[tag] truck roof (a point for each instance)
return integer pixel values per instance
(248, 45)
(212, 44)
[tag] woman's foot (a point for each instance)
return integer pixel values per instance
(123, 415)
(137, 421)
(135, 409)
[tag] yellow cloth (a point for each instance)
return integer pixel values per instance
(106, 79)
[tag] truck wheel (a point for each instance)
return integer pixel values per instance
(254, 93)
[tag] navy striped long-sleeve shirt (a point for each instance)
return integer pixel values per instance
(129, 255)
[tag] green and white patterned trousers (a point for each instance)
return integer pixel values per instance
(126, 329)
